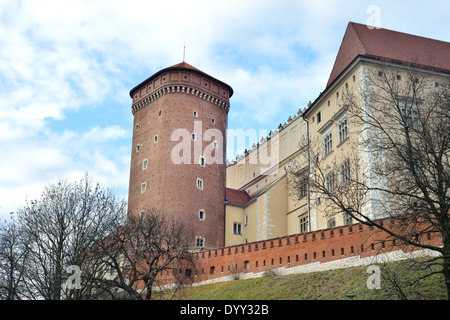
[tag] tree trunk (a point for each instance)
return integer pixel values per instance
(446, 266)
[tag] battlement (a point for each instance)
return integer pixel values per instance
(181, 78)
(340, 247)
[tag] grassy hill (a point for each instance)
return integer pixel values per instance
(326, 285)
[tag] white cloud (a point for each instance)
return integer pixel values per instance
(66, 68)
(29, 164)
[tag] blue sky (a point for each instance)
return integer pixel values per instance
(66, 69)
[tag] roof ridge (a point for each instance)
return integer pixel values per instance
(352, 24)
(382, 43)
(399, 32)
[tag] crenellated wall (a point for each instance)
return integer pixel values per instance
(340, 247)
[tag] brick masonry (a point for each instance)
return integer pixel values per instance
(164, 103)
(339, 247)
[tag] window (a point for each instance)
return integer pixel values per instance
(330, 182)
(193, 136)
(159, 115)
(319, 117)
(345, 172)
(202, 161)
(213, 121)
(342, 129)
(237, 228)
(143, 187)
(246, 220)
(327, 143)
(303, 224)
(155, 139)
(347, 219)
(199, 242)
(138, 147)
(199, 184)
(215, 144)
(331, 223)
(409, 114)
(144, 164)
(201, 214)
(303, 185)
(195, 114)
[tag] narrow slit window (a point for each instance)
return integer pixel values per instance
(144, 164)
(202, 161)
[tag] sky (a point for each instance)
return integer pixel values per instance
(66, 69)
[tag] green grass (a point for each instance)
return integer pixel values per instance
(326, 285)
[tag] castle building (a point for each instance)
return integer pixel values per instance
(178, 157)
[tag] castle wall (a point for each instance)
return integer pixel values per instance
(339, 247)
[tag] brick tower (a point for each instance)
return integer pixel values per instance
(178, 152)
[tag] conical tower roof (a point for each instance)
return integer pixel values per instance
(182, 66)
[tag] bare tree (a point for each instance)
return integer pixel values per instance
(13, 254)
(397, 164)
(149, 252)
(58, 230)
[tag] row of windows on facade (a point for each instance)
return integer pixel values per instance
(199, 185)
(331, 223)
(195, 114)
(193, 137)
(343, 171)
(327, 138)
(201, 162)
(215, 144)
(237, 229)
(408, 119)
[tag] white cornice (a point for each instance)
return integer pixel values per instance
(178, 89)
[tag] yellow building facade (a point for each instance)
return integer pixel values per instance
(260, 203)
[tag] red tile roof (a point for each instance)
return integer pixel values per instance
(181, 66)
(391, 45)
(236, 196)
(184, 65)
